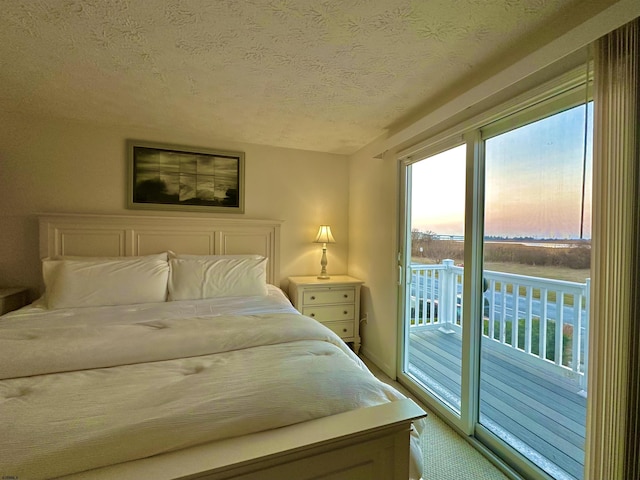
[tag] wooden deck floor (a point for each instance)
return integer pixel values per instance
(543, 411)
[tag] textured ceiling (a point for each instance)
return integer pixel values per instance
(325, 75)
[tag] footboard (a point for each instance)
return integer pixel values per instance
(369, 443)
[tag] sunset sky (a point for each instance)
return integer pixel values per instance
(533, 182)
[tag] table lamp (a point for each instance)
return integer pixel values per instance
(324, 236)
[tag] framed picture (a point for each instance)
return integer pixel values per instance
(174, 177)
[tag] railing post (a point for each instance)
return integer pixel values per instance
(584, 341)
(447, 297)
(418, 279)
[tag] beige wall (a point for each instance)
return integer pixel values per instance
(373, 218)
(58, 166)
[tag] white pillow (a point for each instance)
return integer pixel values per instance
(109, 281)
(188, 256)
(155, 256)
(217, 276)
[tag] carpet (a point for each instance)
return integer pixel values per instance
(447, 456)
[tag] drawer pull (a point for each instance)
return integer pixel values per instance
(313, 297)
(312, 315)
(345, 312)
(344, 330)
(346, 296)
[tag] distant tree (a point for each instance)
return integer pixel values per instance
(421, 240)
(152, 190)
(440, 250)
(420, 236)
(231, 198)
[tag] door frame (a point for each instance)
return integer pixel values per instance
(404, 278)
(542, 101)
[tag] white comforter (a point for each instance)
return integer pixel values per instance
(85, 388)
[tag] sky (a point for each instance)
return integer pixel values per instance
(533, 183)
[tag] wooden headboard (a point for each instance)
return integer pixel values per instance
(127, 235)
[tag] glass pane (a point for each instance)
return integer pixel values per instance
(434, 296)
(537, 252)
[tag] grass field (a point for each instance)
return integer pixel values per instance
(541, 271)
(559, 273)
(569, 263)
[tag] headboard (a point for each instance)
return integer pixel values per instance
(127, 235)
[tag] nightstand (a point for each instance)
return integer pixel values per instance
(334, 302)
(12, 299)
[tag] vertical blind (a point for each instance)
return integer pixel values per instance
(613, 426)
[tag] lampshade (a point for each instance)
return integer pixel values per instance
(324, 235)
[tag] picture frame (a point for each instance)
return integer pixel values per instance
(176, 177)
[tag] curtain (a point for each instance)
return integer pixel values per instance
(613, 419)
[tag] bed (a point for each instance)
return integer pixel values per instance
(164, 348)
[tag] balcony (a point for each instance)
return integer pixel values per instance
(533, 362)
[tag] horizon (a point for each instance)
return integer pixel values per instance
(455, 237)
(533, 185)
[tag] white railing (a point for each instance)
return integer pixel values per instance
(552, 315)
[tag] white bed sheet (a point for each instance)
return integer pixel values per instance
(275, 302)
(90, 387)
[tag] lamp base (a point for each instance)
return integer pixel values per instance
(323, 263)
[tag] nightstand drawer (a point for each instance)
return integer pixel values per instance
(335, 302)
(344, 329)
(339, 295)
(330, 312)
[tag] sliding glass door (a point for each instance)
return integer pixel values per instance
(434, 275)
(495, 283)
(537, 252)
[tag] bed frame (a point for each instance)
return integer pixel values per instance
(120, 236)
(368, 443)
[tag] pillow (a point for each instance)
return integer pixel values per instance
(188, 256)
(156, 256)
(107, 281)
(217, 276)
